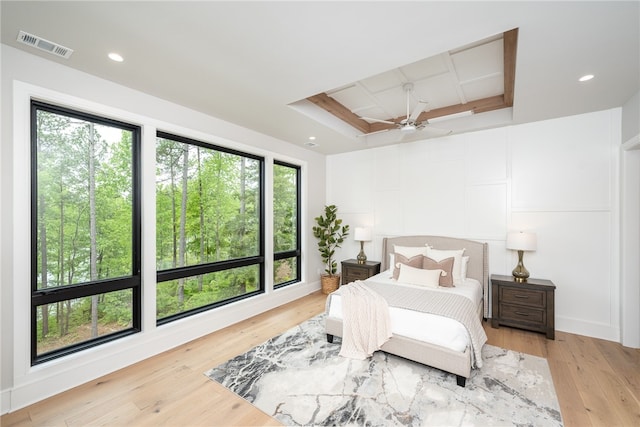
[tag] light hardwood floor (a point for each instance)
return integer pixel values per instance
(597, 381)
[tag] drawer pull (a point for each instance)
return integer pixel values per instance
(521, 296)
(520, 313)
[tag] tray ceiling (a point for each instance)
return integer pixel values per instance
(475, 78)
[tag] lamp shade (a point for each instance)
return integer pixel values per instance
(362, 234)
(522, 241)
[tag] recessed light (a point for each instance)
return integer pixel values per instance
(115, 57)
(586, 77)
(312, 138)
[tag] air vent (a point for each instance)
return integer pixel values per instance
(45, 45)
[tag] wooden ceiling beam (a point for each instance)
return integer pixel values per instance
(477, 106)
(378, 127)
(329, 104)
(510, 47)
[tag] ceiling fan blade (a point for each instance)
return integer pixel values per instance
(425, 127)
(372, 133)
(378, 120)
(417, 110)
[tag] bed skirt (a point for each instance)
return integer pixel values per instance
(457, 363)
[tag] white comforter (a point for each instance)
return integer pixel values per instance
(431, 328)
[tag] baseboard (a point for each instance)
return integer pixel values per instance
(5, 401)
(63, 374)
(590, 329)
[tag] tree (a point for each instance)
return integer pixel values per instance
(218, 220)
(84, 219)
(183, 220)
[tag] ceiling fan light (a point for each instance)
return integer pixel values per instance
(408, 128)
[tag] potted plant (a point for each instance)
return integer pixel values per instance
(330, 234)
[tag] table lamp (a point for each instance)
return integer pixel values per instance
(521, 241)
(362, 235)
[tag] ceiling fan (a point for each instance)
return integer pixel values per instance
(409, 124)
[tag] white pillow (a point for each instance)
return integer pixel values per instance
(418, 276)
(465, 263)
(440, 254)
(410, 251)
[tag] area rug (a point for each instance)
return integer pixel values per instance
(299, 379)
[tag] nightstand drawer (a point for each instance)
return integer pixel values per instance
(355, 273)
(522, 314)
(529, 297)
(352, 270)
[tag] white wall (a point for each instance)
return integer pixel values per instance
(557, 178)
(630, 222)
(25, 75)
(631, 118)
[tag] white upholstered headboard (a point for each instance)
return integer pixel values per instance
(478, 253)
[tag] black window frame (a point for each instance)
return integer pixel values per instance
(297, 252)
(212, 267)
(63, 293)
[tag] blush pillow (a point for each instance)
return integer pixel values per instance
(445, 265)
(415, 261)
(406, 251)
(440, 254)
(419, 276)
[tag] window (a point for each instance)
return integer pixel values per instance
(286, 224)
(85, 228)
(209, 226)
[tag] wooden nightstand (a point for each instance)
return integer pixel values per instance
(352, 271)
(528, 305)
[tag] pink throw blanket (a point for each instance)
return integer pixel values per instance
(366, 324)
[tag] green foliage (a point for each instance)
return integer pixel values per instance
(216, 287)
(285, 221)
(330, 234)
(63, 201)
(84, 217)
(222, 205)
(219, 220)
(285, 208)
(208, 209)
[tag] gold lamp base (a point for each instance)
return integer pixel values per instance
(362, 257)
(520, 273)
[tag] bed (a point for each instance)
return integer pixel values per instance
(454, 355)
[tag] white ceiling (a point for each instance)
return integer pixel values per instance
(252, 63)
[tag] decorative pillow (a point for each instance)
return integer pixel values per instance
(419, 276)
(445, 265)
(400, 259)
(440, 254)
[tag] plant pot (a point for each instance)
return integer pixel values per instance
(329, 283)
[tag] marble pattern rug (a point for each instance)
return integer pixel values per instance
(299, 379)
